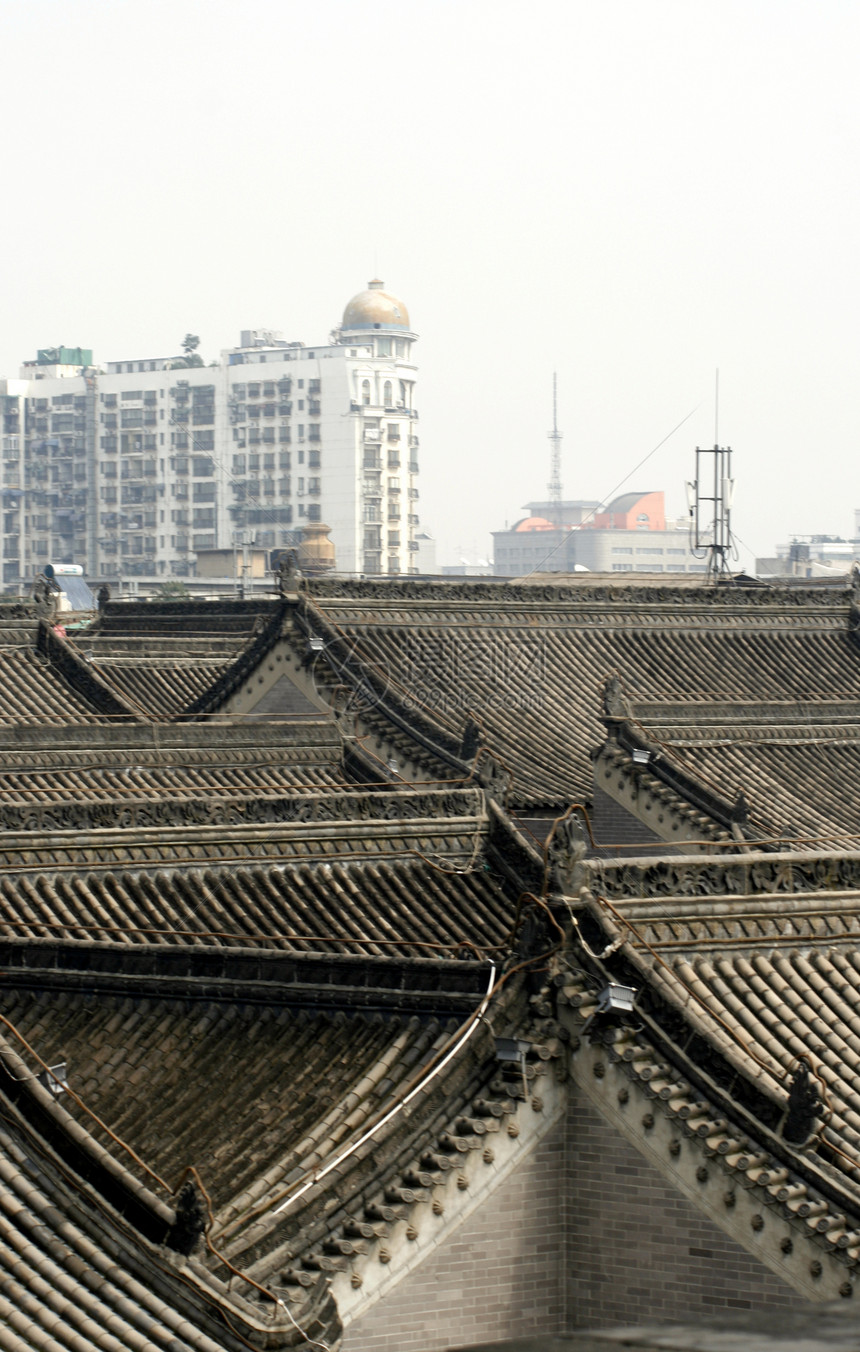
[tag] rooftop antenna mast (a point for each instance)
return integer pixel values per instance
(554, 485)
(710, 497)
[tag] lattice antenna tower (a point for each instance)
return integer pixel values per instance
(554, 485)
(710, 497)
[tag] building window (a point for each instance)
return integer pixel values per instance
(386, 397)
(365, 391)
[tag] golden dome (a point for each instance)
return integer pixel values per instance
(375, 309)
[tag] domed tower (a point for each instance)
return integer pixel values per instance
(375, 310)
(375, 329)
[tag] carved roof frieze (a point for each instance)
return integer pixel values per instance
(303, 825)
(755, 874)
(562, 593)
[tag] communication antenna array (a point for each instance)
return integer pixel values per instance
(709, 497)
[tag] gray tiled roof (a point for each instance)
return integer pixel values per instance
(529, 663)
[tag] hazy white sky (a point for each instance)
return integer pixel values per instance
(632, 192)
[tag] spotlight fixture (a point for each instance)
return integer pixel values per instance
(54, 1079)
(512, 1051)
(615, 999)
(615, 1005)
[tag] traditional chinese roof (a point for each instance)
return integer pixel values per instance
(160, 659)
(747, 986)
(322, 965)
(528, 663)
(261, 909)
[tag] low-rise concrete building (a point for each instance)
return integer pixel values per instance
(629, 535)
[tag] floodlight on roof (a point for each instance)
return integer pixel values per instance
(316, 645)
(615, 1004)
(616, 999)
(640, 756)
(54, 1079)
(511, 1048)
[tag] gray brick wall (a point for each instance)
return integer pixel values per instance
(637, 1250)
(499, 1276)
(584, 1233)
(613, 824)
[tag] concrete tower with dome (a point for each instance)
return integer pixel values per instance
(172, 467)
(380, 437)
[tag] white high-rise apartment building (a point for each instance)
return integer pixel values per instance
(132, 470)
